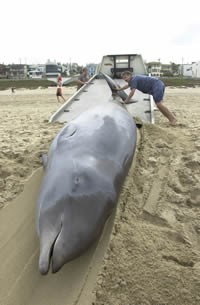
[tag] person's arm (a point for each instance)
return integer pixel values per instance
(130, 96)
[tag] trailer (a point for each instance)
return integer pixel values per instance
(97, 90)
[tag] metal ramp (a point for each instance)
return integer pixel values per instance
(96, 92)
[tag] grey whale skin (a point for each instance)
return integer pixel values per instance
(84, 171)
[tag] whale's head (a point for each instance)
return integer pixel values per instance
(71, 215)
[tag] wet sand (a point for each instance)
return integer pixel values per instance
(153, 257)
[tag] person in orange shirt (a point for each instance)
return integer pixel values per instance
(59, 89)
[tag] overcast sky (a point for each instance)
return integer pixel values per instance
(84, 30)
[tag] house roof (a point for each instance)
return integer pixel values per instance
(154, 63)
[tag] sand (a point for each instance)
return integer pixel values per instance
(153, 257)
(24, 134)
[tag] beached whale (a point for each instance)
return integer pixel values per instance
(84, 171)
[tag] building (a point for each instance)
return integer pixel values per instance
(190, 70)
(157, 69)
(52, 69)
(154, 68)
(13, 71)
(91, 69)
(3, 71)
(16, 71)
(166, 70)
(196, 69)
(186, 70)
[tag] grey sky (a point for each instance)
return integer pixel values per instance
(189, 36)
(83, 31)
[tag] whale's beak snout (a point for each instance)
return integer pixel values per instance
(44, 261)
(47, 243)
(58, 253)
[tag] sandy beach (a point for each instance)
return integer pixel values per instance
(25, 134)
(154, 254)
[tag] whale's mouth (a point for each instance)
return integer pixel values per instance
(46, 254)
(52, 248)
(58, 255)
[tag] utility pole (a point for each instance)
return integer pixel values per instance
(70, 66)
(182, 67)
